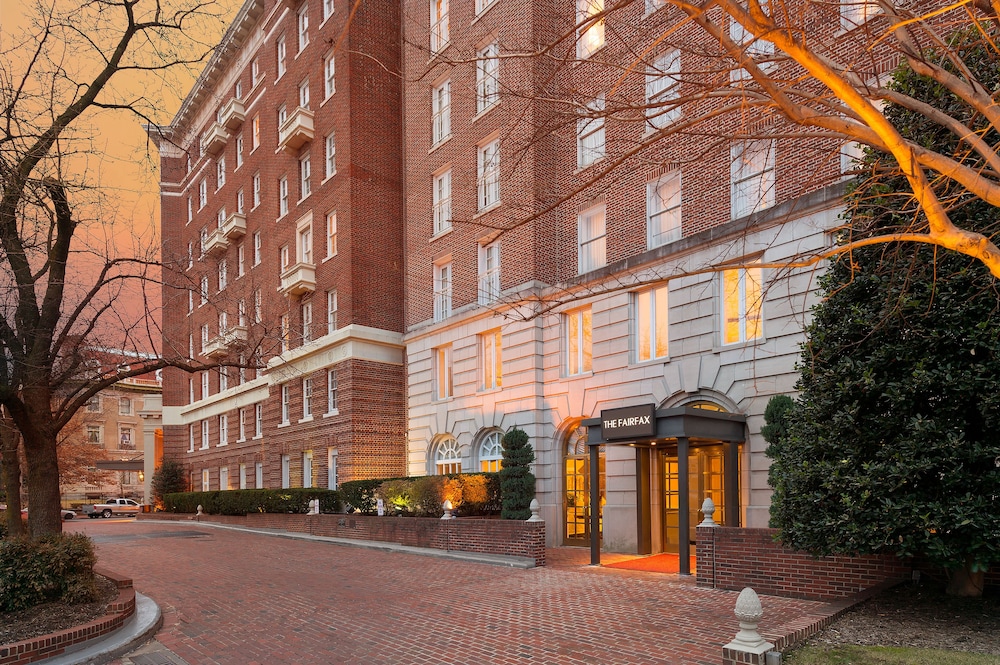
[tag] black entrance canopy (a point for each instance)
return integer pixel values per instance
(645, 426)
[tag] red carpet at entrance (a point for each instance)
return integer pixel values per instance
(657, 563)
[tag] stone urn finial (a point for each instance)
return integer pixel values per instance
(534, 507)
(447, 510)
(199, 509)
(708, 510)
(749, 612)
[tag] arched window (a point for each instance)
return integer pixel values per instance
(491, 452)
(447, 457)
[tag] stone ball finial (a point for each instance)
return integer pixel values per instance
(708, 510)
(534, 507)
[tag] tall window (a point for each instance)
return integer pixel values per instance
(286, 403)
(447, 457)
(307, 320)
(592, 250)
(255, 133)
(488, 174)
(305, 244)
(487, 77)
(258, 313)
(329, 76)
(257, 248)
(202, 194)
(589, 30)
(254, 72)
(742, 297)
(331, 391)
(223, 477)
(491, 452)
(281, 51)
(439, 25)
(304, 94)
(442, 291)
(331, 155)
(856, 12)
(204, 435)
(191, 438)
(578, 342)
(223, 430)
(239, 151)
(305, 172)
(752, 177)
(440, 112)
(327, 9)
(441, 199)
(492, 359)
(204, 337)
(285, 332)
(282, 114)
(662, 89)
(331, 311)
(307, 468)
(190, 209)
(663, 209)
(303, 25)
(220, 172)
(204, 289)
(443, 372)
(124, 406)
(482, 5)
(489, 273)
(753, 48)
(223, 274)
(94, 437)
(651, 324)
(256, 189)
(307, 392)
(258, 419)
(331, 234)
(240, 260)
(283, 196)
(590, 134)
(240, 201)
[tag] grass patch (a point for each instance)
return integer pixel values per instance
(861, 655)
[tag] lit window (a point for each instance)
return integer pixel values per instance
(489, 273)
(223, 477)
(487, 77)
(442, 291)
(663, 210)
(589, 30)
(283, 196)
(307, 316)
(439, 25)
(205, 478)
(742, 297)
(591, 233)
(280, 47)
(491, 452)
(331, 234)
(651, 324)
(590, 134)
(94, 435)
(329, 76)
(331, 391)
(441, 200)
(331, 311)
(578, 342)
(305, 172)
(255, 133)
(303, 24)
(443, 374)
(488, 174)
(662, 90)
(307, 391)
(492, 360)
(441, 112)
(286, 403)
(752, 177)
(447, 457)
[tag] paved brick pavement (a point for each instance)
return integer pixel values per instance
(236, 598)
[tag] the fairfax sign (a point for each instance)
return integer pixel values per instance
(630, 422)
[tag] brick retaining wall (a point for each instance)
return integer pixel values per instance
(485, 536)
(53, 644)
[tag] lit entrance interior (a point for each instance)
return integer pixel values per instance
(576, 500)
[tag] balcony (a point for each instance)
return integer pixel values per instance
(232, 115)
(235, 226)
(216, 348)
(214, 139)
(235, 336)
(216, 243)
(298, 278)
(296, 130)
(220, 346)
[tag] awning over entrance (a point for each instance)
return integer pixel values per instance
(645, 426)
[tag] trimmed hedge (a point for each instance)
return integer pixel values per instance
(56, 567)
(241, 502)
(470, 493)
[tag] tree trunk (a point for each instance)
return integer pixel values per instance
(966, 583)
(44, 516)
(11, 480)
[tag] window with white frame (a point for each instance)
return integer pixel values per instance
(238, 90)
(307, 320)
(258, 307)
(241, 313)
(653, 5)
(331, 391)
(220, 217)
(190, 209)
(239, 151)
(331, 234)
(742, 298)
(223, 429)
(439, 24)
(256, 189)
(491, 452)
(220, 172)
(442, 291)
(258, 420)
(281, 52)
(205, 480)
(243, 476)
(579, 354)
(304, 94)
(329, 76)
(190, 301)
(94, 404)
(752, 176)
(857, 12)
(286, 403)
(285, 332)
(663, 85)
(440, 112)
(307, 468)
(282, 115)
(286, 471)
(491, 350)
(203, 238)
(590, 145)
(191, 438)
(591, 235)
(202, 194)
(240, 201)
(224, 478)
(304, 245)
(753, 49)
(240, 260)
(489, 273)
(124, 406)
(482, 5)
(255, 133)
(125, 441)
(223, 274)
(204, 435)
(257, 248)
(487, 77)
(443, 388)
(94, 435)
(589, 28)
(663, 210)
(488, 174)
(331, 154)
(650, 319)
(447, 457)
(441, 200)
(223, 322)
(305, 173)
(243, 426)
(283, 196)
(254, 72)
(204, 289)
(303, 25)
(331, 311)
(204, 376)
(307, 392)
(327, 9)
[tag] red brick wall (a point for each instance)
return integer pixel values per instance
(734, 558)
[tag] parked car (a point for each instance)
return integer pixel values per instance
(66, 514)
(111, 507)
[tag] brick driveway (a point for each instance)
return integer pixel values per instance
(236, 598)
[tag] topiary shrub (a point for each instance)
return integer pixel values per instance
(170, 478)
(517, 483)
(56, 567)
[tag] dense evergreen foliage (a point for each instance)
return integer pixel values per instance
(168, 479)
(517, 483)
(893, 444)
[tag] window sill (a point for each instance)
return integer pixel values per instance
(221, 445)
(738, 346)
(441, 234)
(652, 362)
(323, 22)
(327, 98)
(327, 179)
(327, 258)
(582, 375)
(581, 169)
(243, 440)
(440, 143)
(284, 425)
(488, 209)
(280, 217)
(330, 414)
(486, 110)
(203, 448)
(257, 438)
(487, 391)
(483, 11)
(306, 419)
(299, 202)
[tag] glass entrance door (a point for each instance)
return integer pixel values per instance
(576, 499)
(705, 479)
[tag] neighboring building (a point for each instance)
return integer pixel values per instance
(281, 208)
(297, 188)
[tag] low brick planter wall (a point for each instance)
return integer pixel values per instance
(119, 611)
(483, 536)
(734, 558)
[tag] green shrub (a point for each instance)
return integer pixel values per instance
(242, 502)
(60, 566)
(360, 494)
(517, 483)
(170, 478)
